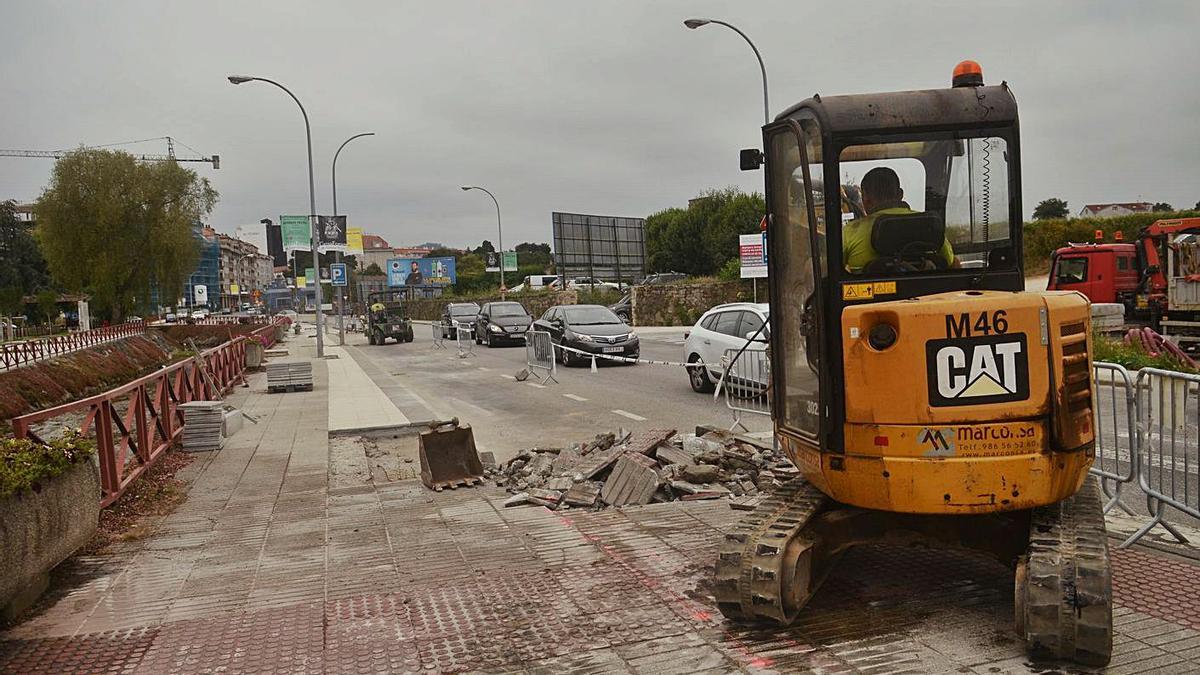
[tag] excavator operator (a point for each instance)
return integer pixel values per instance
(881, 195)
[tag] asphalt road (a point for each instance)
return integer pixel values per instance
(509, 416)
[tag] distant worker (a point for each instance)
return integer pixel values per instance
(414, 277)
(881, 196)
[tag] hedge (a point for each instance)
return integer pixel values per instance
(1043, 237)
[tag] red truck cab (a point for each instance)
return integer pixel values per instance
(1102, 272)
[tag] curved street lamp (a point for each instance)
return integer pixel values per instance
(341, 320)
(312, 201)
(697, 23)
(499, 230)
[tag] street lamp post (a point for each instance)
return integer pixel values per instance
(341, 292)
(312, 204)
(696, 23)
(499, 232)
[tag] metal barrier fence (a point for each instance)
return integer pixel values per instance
(465, 337)
(15, 354)
(439, 338)
(1169, 441)
(134, 424)
(746, 381)
(1116, 433)
(539, 354)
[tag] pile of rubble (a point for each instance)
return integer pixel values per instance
(656, 465)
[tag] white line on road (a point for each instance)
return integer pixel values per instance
(484, 369)
(509, 377)
(636, 418)
(535, 384)
(574, 397)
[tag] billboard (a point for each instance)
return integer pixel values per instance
(492, 261)
(200, 293)
(295, 231)
(275, 244)
(609, 248)
(752, 252)
(421, 272)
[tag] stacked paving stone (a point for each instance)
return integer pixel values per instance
(203, 425)
(619, 469)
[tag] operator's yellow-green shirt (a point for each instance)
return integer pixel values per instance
(857, 251)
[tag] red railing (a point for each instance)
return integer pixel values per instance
(134, 424)
(15, 354)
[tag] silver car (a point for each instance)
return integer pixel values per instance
(722, 328)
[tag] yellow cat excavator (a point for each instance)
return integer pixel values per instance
(923, 394)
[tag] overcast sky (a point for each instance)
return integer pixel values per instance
(594, 107)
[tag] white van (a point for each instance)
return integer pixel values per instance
(536, 282)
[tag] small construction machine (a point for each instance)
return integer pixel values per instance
(387, 317)
(925, 397)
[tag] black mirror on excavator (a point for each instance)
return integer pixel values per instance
(751, 159)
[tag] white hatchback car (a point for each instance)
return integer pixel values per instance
(720, 328)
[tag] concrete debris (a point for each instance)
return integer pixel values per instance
(656, 465)
(745, 503)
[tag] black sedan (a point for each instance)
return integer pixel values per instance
(460, 314)
(592, 329)
(501, 322)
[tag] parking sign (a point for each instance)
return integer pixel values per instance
(337, 274)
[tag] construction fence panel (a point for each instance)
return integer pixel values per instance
(746, 382)
(539, 354)
(1168, 406)
(465, 337)
(1115, 407)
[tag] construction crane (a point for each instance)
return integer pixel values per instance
(215, 160)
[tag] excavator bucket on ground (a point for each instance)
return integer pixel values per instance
(448, 456)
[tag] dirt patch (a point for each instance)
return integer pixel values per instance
(378, 459)
(81, 374)
(154, 494)
(206, 336)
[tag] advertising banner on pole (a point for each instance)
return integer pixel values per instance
(296, 233)
(331, 233)
(354, 245)
(337, 274)
(510, 261)
(310, 275)
(200, 294)
(752, 251)
(491, 262)
(234, 289)
(421, 272)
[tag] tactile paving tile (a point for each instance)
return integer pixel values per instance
(109, 653)
(1158, 586)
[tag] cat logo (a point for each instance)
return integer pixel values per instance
(975, 370)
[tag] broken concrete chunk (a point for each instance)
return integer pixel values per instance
(545, 497)
(669, 454)
(487, 459)
(517, 499)
(746, 503)
(566, 461)
(538, 467)
(559, 483)
(583, 494)
(700, 473)
(633, 481)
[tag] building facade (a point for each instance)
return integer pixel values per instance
(207, 272)
(239, 271)
(1115, 209)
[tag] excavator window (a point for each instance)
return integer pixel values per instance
(953, 188)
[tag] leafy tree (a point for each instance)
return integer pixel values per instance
(529, 247)
(701, 239)
(47, 304)
(1050, 209)
(11, 301)
(373, 270)
(1197, 206)
(21, 263)
(484, 248)
(1162, 206)
(117, 228)
(534, 256)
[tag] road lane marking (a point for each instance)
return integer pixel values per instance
(573, 397)
(636, 418)
(535, 384)
(484, 369)
(509, 377)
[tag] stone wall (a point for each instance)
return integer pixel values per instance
(430, 309)
(681, 304)
(40, 530)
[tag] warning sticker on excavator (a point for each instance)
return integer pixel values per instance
(867, 291)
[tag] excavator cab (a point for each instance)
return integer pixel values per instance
(924, 396)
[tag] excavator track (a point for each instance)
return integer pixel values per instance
(758, 560)
(1064, 581)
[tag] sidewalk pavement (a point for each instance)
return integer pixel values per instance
(355, 402)
(267, 567)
